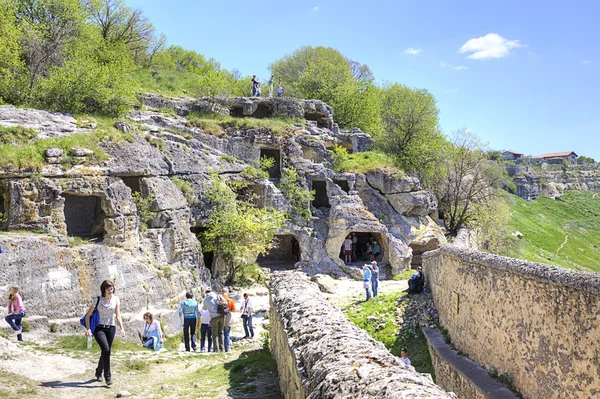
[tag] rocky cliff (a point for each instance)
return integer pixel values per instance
(75, 193)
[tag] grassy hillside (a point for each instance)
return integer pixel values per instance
(563, 232)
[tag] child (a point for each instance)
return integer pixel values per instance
(16, 311)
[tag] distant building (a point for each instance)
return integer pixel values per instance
(570, 156)
(511, 156)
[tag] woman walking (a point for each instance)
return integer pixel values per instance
(109, 311)
(16, 312)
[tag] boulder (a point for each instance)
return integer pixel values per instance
(325, 283)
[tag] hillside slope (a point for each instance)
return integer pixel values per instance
(563, 232)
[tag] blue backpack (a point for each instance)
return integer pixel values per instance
(94, 318)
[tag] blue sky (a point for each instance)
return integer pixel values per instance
(527, 79)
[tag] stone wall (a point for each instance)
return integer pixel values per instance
(534, 322)
(320, 354)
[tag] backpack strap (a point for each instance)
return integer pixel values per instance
(97, 303)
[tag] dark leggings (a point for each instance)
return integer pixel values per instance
(104, 336)
(189, 331)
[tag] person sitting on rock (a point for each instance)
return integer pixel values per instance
(152, 336)
(414, 281)
(375, 251)
(404, 356)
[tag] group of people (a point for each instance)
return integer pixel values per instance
(369, 250)
(256, 87)
(371, 279)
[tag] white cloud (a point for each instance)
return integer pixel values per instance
(586, 62)
(489, 46)
(412, 51)
(455, 67)
(315, 9)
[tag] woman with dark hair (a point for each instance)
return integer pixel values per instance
(109, 310)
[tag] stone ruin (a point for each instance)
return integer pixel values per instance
(93, 200)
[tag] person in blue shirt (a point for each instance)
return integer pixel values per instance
(190, 311)
(367, 280)
(374, 278)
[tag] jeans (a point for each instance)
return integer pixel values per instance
(14, 320)
(149, 343)
(205, 331)
(248, 330)
(217, 324)
(227, 338)
(104, 336)
(189, 332)
(367, 285)
(375, 285)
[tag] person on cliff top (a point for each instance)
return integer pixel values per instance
(374, 278)
(189, 309)
(16, 312)
(254, 85)
(279, 90)
(109, 309)
(152, 335)
(348, 250)
(205, 329)
(367, 280)
(404, 356)
(247, 310)
(271, 85)
(227, 322)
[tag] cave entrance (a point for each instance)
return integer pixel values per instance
(84, 216)
(364, 243)
(275, 170)
(418, 250)
(343, 185)
(321, 199)
(284, 255)
(134, 183)
(263, 110)
(208, 256)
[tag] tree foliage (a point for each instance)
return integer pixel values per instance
(468, 181)
(410, 129)
(237, 230)
(298, 196)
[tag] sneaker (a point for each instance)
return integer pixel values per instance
(99, 378)
(202, 350)
(194, 349)
(108, 382)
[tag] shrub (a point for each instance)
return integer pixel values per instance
(25, 326)
(186, 189)
(298, 196)
(54, 328)
(143, 209)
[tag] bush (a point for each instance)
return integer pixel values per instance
(186, 189)
(25, 326)
(298, 196)
(143, 209)
(16, 134)
(54, 328)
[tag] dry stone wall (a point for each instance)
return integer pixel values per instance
(320, 354)
(536, 323)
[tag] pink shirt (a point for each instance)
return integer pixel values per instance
(16, 305)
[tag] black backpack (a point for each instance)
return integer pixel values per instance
(222, 306)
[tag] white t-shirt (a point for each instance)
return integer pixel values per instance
(205, 315)
(107, 311)
(405, 360)
(348, 244)
(247, 307)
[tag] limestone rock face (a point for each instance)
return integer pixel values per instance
(47, 124)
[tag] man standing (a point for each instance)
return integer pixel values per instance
(189, 309)
(348, 250)
(254, 85)
(374, 278)
(217, 320)
(354, 244)
(227, 323)
(247, 310)
(404, 357)
(271, 85)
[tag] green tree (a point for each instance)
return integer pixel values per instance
(468, 181)
(410, 129)
(10, 50)
(297, 195)
(237, 230)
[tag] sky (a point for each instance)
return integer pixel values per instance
(524, 75)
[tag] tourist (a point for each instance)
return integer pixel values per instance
(257, 89)
(279, 90)
(420, 281)
(254, 85)
(109, 310)
(227, 322)
(271, 85)
(205, 329)
(217, 320)
(347, 250)
(404, 357)
(189, 309)
(414, 282)
(376, 250)
(16, 312)
(247, 310)
(374, 278)
(354, 244)
(153, 336)
(367, 281)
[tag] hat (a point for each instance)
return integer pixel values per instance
(207, 289)
(374, 262)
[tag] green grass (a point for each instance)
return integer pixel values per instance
(166, 82)
(384, 329)
(216, 124)
(405, 275)
(564, 232)
(16, 134)
(79, 343)
(30, 155)
(370, 161)
(186, 189)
